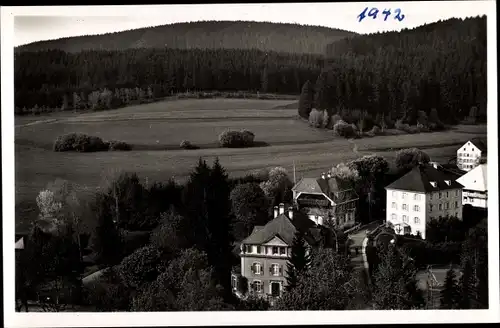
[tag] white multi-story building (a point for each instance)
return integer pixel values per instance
(475, 184)
(471, 154)
(423, 194)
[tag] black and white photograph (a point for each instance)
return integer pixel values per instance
(235, 164)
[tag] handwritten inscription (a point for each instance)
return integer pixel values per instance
(385, 14)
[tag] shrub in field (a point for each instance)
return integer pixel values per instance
(235, 139)
(79, 142)
(402, 126)
(119, 145)
(335, 118)
(186, 144)
(316, 118)
(343, 129)
(407, 159)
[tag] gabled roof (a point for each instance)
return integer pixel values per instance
(281, 226)
(20, 243)
(480, 143)
(475, 179)
(419, 180)
(327, 186)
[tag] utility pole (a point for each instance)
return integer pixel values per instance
(294, 176)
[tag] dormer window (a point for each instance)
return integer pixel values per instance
(434, 184)
(448, 182)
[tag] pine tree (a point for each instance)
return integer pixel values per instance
(450, 294)
(299, 262)
(306, 100)
(106, 240)
(466, 286)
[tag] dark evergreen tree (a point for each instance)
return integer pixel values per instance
(306, 100)
(466, 286)
(450, 294)
(299, 262)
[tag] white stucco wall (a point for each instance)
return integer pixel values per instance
(468, 156)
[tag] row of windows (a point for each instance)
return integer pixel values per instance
(441, 194)
(404, 195)
(432, 217)
(275, 269)
(416, 219)
(465, 154)
(274, 250)
(416, 208)
(442, 206)
(467, 160)
(468, 166)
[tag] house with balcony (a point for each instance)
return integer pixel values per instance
(326, 201)
(471, 154)
(475, 184)
(423, 194)
(265, 253)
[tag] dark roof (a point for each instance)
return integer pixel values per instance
(328, 186)
(480, 143)
(285, 229)
(419, 180)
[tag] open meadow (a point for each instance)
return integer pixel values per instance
(155, 130)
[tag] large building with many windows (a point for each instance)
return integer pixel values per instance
(471, 154)
(423, 194)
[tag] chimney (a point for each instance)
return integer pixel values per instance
(329, 175)
(323, 175)
(290, 213)
(282, 208)
(275, 211)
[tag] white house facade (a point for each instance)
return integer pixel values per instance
(471, 154)
(475, 184)
(423, 194)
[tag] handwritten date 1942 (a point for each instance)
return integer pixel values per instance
(374, 12)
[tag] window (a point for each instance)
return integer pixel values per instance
(431, 207)
(394, 194)
(257, 268)
(394, 216)
(471, 199)
(456, 204)
(440, 195)
(259, 249)
(472, 149)
(416, 220)
(394, 205)
(416, 197)
(257, 286)
(446, 205)
(456, 192)
(416, 208)
(248, 248)
(282, 250)
(405, 207)
(405, 218)
(430, 196)
(275, 270)
(404, 195)
(275, 250)
(440, 207)
(447, 194)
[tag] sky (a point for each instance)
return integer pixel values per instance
(43, 23)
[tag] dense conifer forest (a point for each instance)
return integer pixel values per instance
(440, 65)
(396, 74)
(292, 38)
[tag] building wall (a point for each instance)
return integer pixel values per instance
(266, 259)
(475, 198)
(415, 207)
(468, 156)
(452, 197)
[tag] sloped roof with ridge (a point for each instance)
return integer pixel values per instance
(419, 180)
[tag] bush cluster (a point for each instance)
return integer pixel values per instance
(114, 145)
(236, 139)
(82, 142)
(79, 142)
(186, 144)
(343, 129)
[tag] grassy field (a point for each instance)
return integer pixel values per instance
(163, 125)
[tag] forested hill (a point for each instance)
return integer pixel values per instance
(440, 65)
(291, 38)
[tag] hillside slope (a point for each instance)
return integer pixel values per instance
(292, 38)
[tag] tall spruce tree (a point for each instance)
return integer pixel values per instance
(299, 262)
(450, 294)
(306, 100)
(466, 286)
